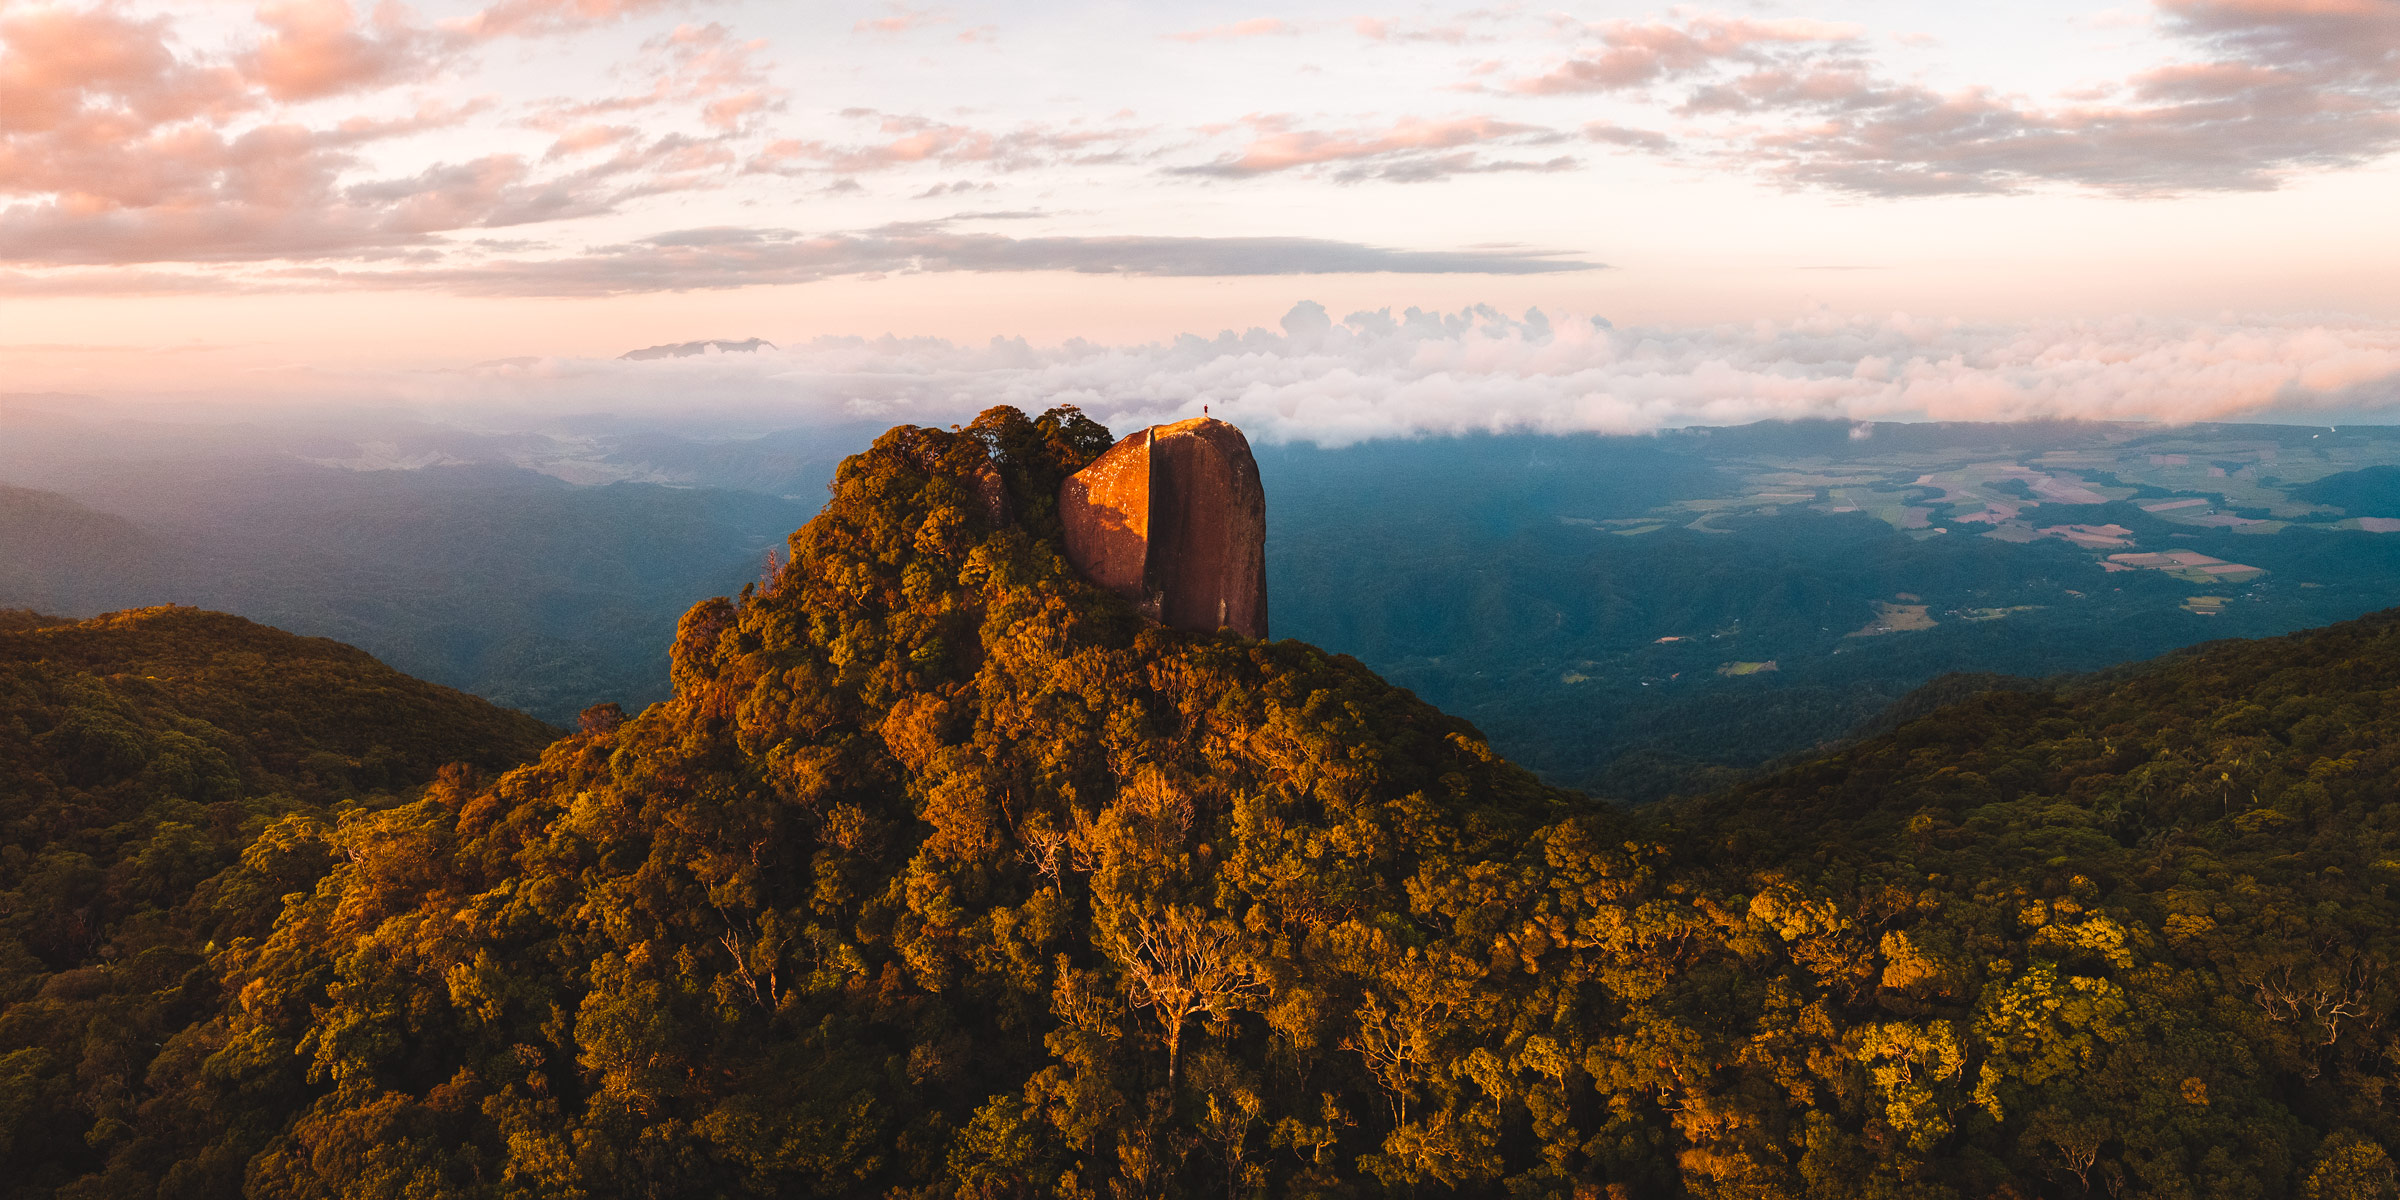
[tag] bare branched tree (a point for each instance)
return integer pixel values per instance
(1043, 848)
(2319, 998)
(1181, 964)
(1394, 1042)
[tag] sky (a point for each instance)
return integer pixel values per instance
(1343, 220)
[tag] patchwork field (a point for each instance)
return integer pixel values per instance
(1631, 614)
(2200, 480)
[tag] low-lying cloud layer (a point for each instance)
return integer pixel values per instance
(1377, 374)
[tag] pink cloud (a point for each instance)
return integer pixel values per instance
(903, 20)
(534, 18)
(1633, 54)
(585, 138)
(103, 72)
(117, 145)
(704, 66)
(317, 48)
(1377, 29)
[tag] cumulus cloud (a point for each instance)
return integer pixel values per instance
(1380, 374)
(318, 48)
(120, 144)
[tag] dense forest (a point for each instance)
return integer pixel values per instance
(167, 777)
(941, 874)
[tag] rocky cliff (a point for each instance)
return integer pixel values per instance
(1173, 518)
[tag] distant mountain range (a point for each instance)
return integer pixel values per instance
(1632, 616)
(692, 349)
(535, 593)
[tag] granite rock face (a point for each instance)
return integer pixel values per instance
(1173, 519)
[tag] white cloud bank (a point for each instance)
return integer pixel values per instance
(1374, 375)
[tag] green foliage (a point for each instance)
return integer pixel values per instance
(943, 875)
(167, 778)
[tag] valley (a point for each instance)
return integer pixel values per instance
(1599, 605)
(1604, 608)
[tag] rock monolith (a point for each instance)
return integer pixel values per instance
(1173, 519)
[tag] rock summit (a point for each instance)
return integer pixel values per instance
(1173, 519)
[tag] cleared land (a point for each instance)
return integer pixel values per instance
(1894, 618)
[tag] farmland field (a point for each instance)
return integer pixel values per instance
(1604, 608)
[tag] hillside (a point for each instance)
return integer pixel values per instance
(943, 875)
(57, 555)
(164, 776)
(518, 587)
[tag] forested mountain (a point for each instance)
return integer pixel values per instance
(166, 777)
(519, 587)
(57, 555)
(942, 875)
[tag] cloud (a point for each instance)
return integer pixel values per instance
(1378, 29)
(704, 67)
(731, 257)
(1631, 139)
(95, 71)
(275, 193)
(1380, 375)
(1409, 150)
(536, 18)
(903, 20)
(906, 140)
(1633, 54)
(119, 145)
(2279, 86)
(954, 188)
(318, 48)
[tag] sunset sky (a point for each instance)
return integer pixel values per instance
(2187, 207)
